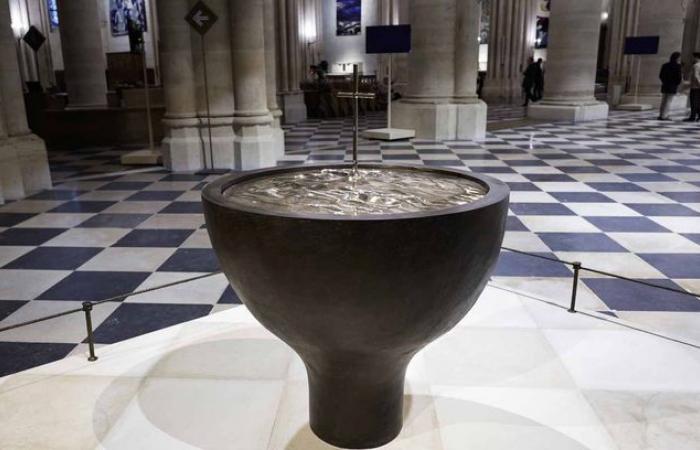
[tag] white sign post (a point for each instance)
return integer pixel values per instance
(201, 18)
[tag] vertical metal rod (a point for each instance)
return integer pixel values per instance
(574, 288)
(356, 102)
(636, 82)
(388, 100)
(87, 308)
(151, 144)
(206, 99)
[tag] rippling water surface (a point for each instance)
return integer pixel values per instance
(356, 192)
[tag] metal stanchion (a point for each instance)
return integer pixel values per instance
(574, 288)
(87, 309)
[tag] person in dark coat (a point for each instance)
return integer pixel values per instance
(529, 78)
(671, 77)
(539, 80)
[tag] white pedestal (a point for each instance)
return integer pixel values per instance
(442, 121)
(679, 102)
(388, 134)
(635, 107)
(569, 113)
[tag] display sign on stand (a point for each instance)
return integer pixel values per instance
(201, 18)
(638, 46)
(35, 39)
(389, 39)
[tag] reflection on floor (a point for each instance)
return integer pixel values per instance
(515, 374)
(620, 195)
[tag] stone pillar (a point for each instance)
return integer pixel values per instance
(256, 144)
(571, 63)
(289, 56)
(471, 112)
(621, 24)
(511, 43)
(183, 147)
(691, 33)
(24, 167)
(83, 55)
(218, 49)
(271, 62)
(666, 19)
(438, 104)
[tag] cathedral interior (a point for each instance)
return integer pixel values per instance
(321, 224)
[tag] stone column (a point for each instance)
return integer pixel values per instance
(24, 167)
(289, 56)
(436, 104)
(83, 55)
(691, 33)
(511, 43)
(666, 19)
(256, 144)
(221, 91)
(571, 63)
(182, 146)
(621, 24)
(471, 112)
(271, 62)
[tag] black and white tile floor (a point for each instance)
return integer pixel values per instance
(621, 194)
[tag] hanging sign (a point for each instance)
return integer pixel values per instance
(201, 18)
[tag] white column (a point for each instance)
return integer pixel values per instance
(271, 61)
(511, 43)
(182, 146)
(622, 23)
(219, 64)
(289, 56)
(571, 63)
(437, 89)
(666, 19)
(83, 55)
(24, 167)
(256, 144)
(691, 33)
(471, 112)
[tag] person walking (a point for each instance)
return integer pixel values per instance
(671, 77)
(529, 78)
(695, 90)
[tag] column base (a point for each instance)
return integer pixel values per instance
(183, 147)
(442, 121)
(24, 167)
(293, 107)
(257, 146)
(11, 183)
(186, 145)
(501, 92)
(34, 162)
(679, 102)
(568, 113)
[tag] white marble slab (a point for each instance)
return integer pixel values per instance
(517, 373)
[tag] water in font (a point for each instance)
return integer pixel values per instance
(354, 192)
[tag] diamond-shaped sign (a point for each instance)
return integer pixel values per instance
(34, 38)
(201, 18)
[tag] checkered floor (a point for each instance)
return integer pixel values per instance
(69, 164)
(620, 195)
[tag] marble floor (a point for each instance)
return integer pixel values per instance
(517, 373)
(621, 195)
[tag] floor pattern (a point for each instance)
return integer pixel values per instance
(620, 195)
